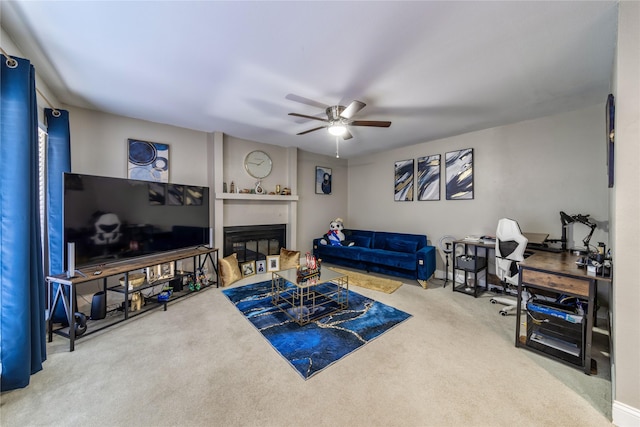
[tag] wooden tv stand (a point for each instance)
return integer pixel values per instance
(66, 289)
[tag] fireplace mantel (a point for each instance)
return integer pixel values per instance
(227, 202)
(258, 197)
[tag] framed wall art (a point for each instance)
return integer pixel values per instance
(323, 180)
(403, 181)
(429, 177)
(148, 161)
(459, 174)
(610, 119)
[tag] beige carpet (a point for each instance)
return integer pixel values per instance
(388, 286)
(201, 363)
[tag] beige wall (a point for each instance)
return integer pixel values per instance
(626, 219)
(99, 145)
(315, 211)
(529, 171)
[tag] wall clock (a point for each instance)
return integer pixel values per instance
(258, 164)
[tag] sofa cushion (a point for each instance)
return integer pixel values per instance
(362, 241)
(381, 237)
(401, 245)
(346, 252)
(389, 258)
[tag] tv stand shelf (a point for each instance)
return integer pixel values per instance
(65, 291)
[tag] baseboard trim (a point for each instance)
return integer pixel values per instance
(624, 415)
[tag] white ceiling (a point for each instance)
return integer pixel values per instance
(433, 68)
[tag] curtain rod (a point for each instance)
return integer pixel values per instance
(12, 63)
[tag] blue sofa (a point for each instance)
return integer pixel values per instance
(395, 254)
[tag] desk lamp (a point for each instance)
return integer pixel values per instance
(582, 219)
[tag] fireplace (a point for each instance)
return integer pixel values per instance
(254, 242)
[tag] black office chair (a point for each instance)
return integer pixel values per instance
(510, 247)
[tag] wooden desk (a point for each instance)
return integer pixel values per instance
(558, 272)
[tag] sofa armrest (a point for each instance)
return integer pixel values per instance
(426, 262)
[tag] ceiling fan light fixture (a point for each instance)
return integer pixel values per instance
(337, 129)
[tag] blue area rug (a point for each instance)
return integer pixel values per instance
(316, 345)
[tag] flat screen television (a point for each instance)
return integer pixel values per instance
(110, 219)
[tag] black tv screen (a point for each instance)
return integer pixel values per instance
(110, 219)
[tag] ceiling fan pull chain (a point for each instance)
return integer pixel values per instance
(337, 147)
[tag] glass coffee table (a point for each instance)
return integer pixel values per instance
(308, 300)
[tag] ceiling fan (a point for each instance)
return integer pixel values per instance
(339, 119)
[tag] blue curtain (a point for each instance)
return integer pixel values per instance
(58, 162)
(22, 290)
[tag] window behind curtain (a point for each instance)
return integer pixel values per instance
(42, 173)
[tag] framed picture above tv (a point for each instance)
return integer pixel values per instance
(148, 161)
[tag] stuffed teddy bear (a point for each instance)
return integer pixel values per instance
(335, 236)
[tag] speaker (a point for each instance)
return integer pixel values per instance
(98, 306)
(71, 259)
(81, 323)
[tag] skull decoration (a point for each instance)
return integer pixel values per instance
(107, 229)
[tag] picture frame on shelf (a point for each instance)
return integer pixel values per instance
(323, 180)
(248, 268)
(151, 273)
(273, 263)
(165, 271)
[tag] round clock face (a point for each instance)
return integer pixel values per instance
(258, 164)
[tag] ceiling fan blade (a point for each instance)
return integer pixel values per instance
(347, 135)
(374, 123)
(309, 117)
(310, 130)
(352, 109)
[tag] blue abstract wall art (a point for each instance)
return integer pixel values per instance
(403, 182)
(459, 174)
(148, 161)
(429, 177)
